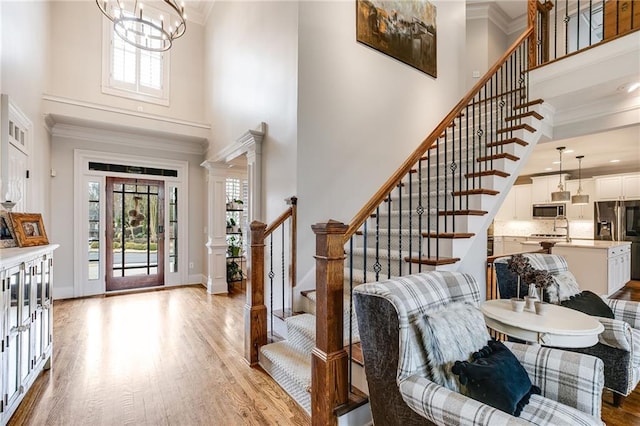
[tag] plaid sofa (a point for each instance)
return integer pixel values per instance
(619, 344)
(400, 389)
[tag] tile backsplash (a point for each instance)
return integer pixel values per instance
(523, 228)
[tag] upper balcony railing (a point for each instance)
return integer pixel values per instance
(565, 27)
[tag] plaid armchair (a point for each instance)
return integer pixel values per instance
(619, 344)
(401, 391)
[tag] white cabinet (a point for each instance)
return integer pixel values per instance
(618, 187)
(507, 245)
(581, 212)
(517, 204)
(26, 321)
(543, 186)
(600, 270)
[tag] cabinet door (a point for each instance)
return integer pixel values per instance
(540, 190)
(47, 307)
(609, 188)
(631, 187)
(26, 323)
(522, 202)
(507, 209)
(12, 315)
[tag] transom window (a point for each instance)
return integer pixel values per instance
(132, 72)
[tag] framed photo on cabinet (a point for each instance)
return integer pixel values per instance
(7, 235)
(29, 229)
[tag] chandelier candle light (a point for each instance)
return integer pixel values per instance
(146, 29)
(560, 194)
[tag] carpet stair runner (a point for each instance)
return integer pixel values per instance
(289, 361)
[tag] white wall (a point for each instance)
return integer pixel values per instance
(24, 68)
(251, 77)
(485, 43)
(360, 112)
(76, 66)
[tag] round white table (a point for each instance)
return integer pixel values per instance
(559, 326)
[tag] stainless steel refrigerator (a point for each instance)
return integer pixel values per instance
(620, 221)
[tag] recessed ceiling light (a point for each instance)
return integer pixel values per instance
(548, 169)
(568, 151)
(633, 87)
(614, 161)
(555, 162)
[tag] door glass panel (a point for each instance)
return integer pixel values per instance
(14, 285)
(94, 230)
(12, 373)
(173, 229)
(26, 295)
(25, 354)
(38, 279)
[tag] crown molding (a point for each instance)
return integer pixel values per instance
(242, 145)
(123, 138)
(492, 12)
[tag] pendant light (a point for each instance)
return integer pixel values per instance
(580, 199)
(560, 194)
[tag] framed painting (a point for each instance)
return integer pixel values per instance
(405, 30)
(7, 236)
(29, 229)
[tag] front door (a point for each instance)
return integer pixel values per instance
(135, 233)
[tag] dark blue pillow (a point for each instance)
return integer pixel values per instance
(589, 303)
(496, 378)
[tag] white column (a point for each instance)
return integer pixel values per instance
(216, 227)
(254, 173)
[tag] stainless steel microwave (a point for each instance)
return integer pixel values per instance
(548, 211)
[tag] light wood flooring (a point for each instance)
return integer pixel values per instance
(171, 357)
(174, 357)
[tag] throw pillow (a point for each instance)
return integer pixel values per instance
(496, 378)
(588, 303)
(567, 285)
(449, 335)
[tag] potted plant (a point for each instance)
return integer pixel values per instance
(234, 272)
(519, 265)
(231, 223)
(238, 204)
(234, 246)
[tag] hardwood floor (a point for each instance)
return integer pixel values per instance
(155, 358)
(175, 357)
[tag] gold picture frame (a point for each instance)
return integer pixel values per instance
(7, 235)
(29, 229)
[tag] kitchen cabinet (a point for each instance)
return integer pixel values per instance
(543, 186)
(26, 321)
(581, 212)
(507, 245)
(618, 187)
(602, 267)
(516, 205)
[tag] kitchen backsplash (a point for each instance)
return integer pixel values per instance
(523, 228)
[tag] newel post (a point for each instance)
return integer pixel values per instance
(255, 311)
(532, 15)
(329, 360)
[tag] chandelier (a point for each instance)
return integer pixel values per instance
(153, 28)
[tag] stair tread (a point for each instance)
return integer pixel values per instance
(507, 141)
(499, 173)
(449, 235)
(296, 365)
(528, 104)
(534, 114)
(522, 126)
(463, 213)
(498, 157)
(433, 261)
(477, 191)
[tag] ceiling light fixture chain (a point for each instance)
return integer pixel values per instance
(560, 194)
(146, 28)
(580, 198)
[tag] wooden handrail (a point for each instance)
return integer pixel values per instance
(408, 164)
(279, 221)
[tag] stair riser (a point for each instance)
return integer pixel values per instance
(434, 223)
(449, 247)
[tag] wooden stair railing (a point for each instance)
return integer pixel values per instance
(255, 310)
(330, 384)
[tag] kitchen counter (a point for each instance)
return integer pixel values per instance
(592, 244)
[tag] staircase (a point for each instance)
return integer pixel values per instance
(427, 216)
(386, 246)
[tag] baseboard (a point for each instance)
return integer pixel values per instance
(197, 279)
(62, 293)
